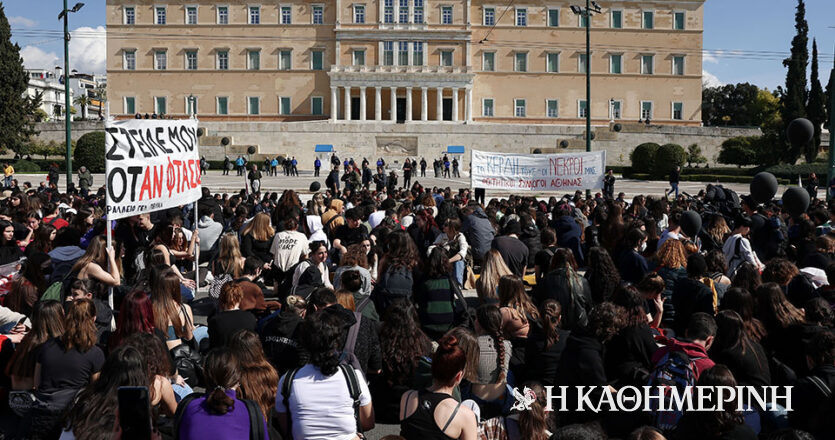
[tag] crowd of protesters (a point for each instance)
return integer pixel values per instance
(326, 317)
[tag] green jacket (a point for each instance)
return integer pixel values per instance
(85, 179)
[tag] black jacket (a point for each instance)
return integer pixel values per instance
(629, 356)
(813, 410)
(690, 296)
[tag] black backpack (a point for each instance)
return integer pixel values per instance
(354, 391)
(256, 419)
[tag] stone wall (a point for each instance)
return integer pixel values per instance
(54, 131)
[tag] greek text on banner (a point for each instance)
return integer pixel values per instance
(151, 165)
(538, 172)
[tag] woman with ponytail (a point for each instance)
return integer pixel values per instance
(490, 389)
(528, 425)
(545, 344)
(219, 414)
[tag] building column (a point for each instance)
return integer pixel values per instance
(468, 109)
(424, 103)
(408, 104)
(362, 103)
(378, 104)
(393, 104)
(334, 104)
(347, 104)
(440, 109)
(455, 104)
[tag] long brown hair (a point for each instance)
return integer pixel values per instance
(230, 255)
(47, 323)
(259, 380)
(512, 294)
(551, 317)
(533, 424)
(355, 256)
(80, 326)
(469, 343)
(165, 297)
(259, 227)
(774, 310)
(221, 372)
(96, 253)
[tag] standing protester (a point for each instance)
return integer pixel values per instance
(811, 186)
(609, 185)
(227, 165)
(455, 172)
(85, 180)
(407, 173)
(317, 164)
(446, 167)
(294, 170)
(254, 177)
(675, 177)
(422, 167)
(240, 164)
(54, 173)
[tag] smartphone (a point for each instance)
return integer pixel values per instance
(135, 413)
(22, 320)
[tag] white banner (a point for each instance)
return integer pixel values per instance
(538, 172)
(152, 164)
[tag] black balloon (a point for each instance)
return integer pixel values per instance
(800, 131)
(795, 200)
(763, 187)
(564, 144)
(618, 127)
(691, 223)
(315, 186)
(224, 141)
(251, 149)
(537, 151)
(200, 132)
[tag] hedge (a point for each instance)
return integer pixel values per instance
(792, 171)
(643, 157)
(25, 166)
(667, 157)
(89, 150)
(706, 178)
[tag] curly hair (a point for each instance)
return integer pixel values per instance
(402, 342)
(672, 255)
(632, 303)
(780, 271)
(321, 334)
(602, 274)
(400, 251)
(355, 256)
(605, 321)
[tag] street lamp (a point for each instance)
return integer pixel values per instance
(63, 16)
(586, 12)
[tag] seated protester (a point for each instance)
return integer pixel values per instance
(530, 236)
(629, 353)
(455, 244)
(565, 285)
(698, 337)
(493, 268)
(355, 259)
(569, 232)
(219, 414)
(424, 230)
(716, 269)
(519, 315)
(259, 379)
(744, 356)
(352, 232)
(52, 216)
(726, 424)
(288, 248)
(737, 248)
(27, 285)
(433, 413)
(601, 272)
(529, 425)
(546, 343)
(92, 290)
(98, 263)
(323, 383)
(64, 366)
(312, 273)
(171, 316)
(631, 264)
(160, 371)
(65, 253)
(253, 299)
(47, 323)
(490, 389)
(813, 405)
(692, 294)
(406, 353)
(672, 266)
(230, 318)
(821, 257)
(673, 230)
(9, 250)
(163, 244)
(787, 333)
(351, 281)
(279, 337)
(514, 252)
(818, 312)
(396, 270)
(210, 231)
(542, 259)
(435, 297)
(257, 240)
(42, 243)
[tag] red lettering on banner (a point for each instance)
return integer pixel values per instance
(159, 174)
(561, 166)
(146, 185)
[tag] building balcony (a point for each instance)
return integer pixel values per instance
(454, 70)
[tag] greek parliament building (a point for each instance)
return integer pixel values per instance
(417, 73)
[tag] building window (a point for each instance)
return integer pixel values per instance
(359, 57)
(521, 17)
(388, 53)
(160, 15)
(403, 53)
(254, 60)
(222, 105)
(552, 108)
(130, 105)
(130, 17)
(678, 111)
(223, 60)
(648, 19)
(285, 61)
(254, 15)
(317, 60)
(403, 11)
(417, 53)
(160, 105)
(678, 21)
(418, 11)
(316, 107)
(446, 15)
(553, 17)
(616, 18)
(254, 105)
(488, 61)
(582, 63)
(616, 64)
(284, 105)
(647, 64)
(487, 107)
(646, 110)
(519, 108)
(678, 65)
(130, 60)
(520, 62)
(191, 15)
(191, 60)
(582, 108)
(489, 16)
(318, 15)
(388, 11)
(359, 14)
(160, 60)
(552, 62)
(287, 14)
(191, 106)
(446, 58)
(615, 109)
(223, 15)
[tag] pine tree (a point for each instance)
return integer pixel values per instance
(16, 109)
(815, 109)
(795, 94)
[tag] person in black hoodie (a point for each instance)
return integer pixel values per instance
(812, 395)
(546, 343)
(568, 231)
(744, 356)
(279, 338)
(565, 285)
(629, 353)
(530, 237)
(691, 294)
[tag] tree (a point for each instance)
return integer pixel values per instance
(694, 155)
(815, 108)
(731, 104)
(89, 151)
(643, 157)
(668, 157)
(82, 101)
(794, 99)
(738, 151)
(101, 94)
(17, 109)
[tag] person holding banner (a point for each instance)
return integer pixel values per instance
(254, 177)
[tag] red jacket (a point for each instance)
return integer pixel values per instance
(695, 351)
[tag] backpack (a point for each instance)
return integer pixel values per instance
(347, 355)
(256, 419)
(354, 391)
(674, 370)
(326, 228)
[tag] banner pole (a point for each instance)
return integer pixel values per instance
(196, 253)
(109, 245)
